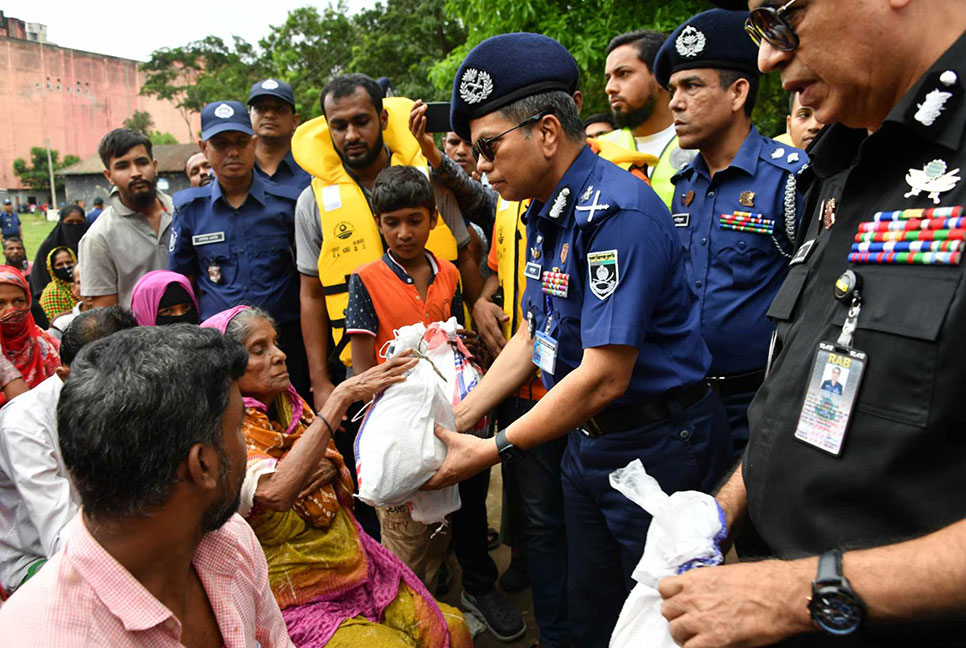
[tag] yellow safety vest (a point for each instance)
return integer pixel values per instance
(350, 236)
(510, 234)
(673, 159)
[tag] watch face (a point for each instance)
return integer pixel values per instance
(836, 611)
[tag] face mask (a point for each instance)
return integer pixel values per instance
(11, 322)
(65, 273)
(191, 317)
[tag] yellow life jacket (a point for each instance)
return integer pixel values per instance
(673, 159)
(510, 234)
(350, 236)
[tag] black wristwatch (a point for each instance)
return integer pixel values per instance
(834, 606)
(509, 453)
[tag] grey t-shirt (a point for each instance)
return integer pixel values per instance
(121, 247)
(308, 226)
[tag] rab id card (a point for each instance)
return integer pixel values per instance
(833, 387)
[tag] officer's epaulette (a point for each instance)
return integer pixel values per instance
(186, 196)
(594, 203)
(282, 190)
(783, 156)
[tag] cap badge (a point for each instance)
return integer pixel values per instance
(690, 42)
(475, 86)
(746, 199)
(559, 203)
(931, 107)
(933, 179)
(224, 111)
(270, 84)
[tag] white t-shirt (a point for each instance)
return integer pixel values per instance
(655, 144)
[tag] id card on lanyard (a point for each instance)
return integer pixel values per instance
(544, 345)
(834, 380)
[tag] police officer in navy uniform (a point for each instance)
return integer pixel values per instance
(735, 206)
(271, 105)
(859, 497)
(234, 237)
(611, 323)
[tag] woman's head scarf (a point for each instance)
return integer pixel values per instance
(151, 290)
(63, 235)
(57, 297)
(33, 351)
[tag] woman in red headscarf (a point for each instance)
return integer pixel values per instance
(29, 352)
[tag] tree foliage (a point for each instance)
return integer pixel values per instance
(36, 175)
(141, 121)
(418, 44)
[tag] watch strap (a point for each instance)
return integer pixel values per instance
(501, 441)
(829, 568)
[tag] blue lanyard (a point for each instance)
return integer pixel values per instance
(548, 307)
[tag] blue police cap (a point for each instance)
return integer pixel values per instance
(507, 68)
(712, 39)
(274, 88)
(220, 116)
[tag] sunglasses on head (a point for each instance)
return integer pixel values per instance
(484, 145)
(770, 24)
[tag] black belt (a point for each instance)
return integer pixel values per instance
(627, 417)
(744, 383)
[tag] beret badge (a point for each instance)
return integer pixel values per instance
(475, 86)
(690, 42)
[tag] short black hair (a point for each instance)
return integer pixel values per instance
(70, 209)
(345, 85)
(605, 117)
(12, 239)
(134, 405)
(90, 326)
(727, 78)
(558, 102)
(119, 141)
(98, 201)
(646, 41)
(402, 187)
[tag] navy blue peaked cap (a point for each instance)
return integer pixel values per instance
(712, 39)
(507, 68)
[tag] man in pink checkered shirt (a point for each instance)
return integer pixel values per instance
(150, 430)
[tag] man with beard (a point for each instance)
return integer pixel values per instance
(15, 255)
(271, 106)
(234, 237)
(640, 107)
(157, 555)
(198, 170)
(735, 206)
(130, 238)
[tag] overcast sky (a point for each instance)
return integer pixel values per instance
(135, 29)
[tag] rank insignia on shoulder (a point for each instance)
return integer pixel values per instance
(746, 199)
(777, 153)
(592, 209)
(793, 157)
(933, 179)
(603, 273)
(747, 222)
(559, 203)
(688, 198)
(586, 195)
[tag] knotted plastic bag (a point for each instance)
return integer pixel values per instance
(686, 531)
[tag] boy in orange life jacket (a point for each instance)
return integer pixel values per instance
(407, 285)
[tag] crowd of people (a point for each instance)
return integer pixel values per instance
(771, 321)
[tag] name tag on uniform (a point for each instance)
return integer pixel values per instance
(205, 239)
(681, 220)
(802, 255)
(532, 271)
(833, 386)
(545, 352)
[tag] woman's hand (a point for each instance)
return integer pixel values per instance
(374, 380)
(417, 126)
(324, 473)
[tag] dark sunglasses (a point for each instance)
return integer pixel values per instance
(484, 145)
(770, 24)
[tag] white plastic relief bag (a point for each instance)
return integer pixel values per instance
(685, 532)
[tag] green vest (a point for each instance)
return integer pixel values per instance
(673, 158)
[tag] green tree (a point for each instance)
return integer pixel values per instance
(36, 175)
(157, 137)
(141, 121)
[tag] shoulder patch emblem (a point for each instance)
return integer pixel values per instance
(603, 273)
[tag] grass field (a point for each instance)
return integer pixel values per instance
(35, 229)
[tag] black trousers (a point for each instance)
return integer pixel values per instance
(469, 536)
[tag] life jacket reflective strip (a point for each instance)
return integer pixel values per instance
(663, 170)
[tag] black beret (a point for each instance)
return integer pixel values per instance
(712, 39)
(507, 68)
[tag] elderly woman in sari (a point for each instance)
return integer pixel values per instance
(337, 587)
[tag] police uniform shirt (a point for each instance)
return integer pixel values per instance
(611, 235)
(735, 268)
(238, 256)
(9, 223)
(901, 472)
(287, 173)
